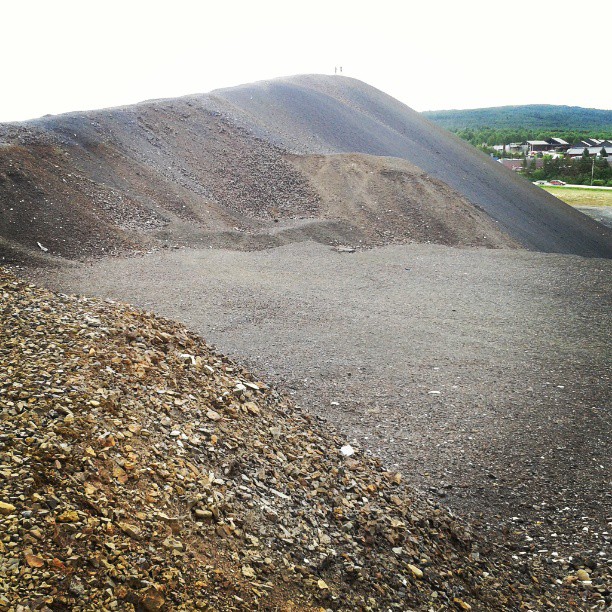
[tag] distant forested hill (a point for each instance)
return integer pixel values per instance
(504, 124)
(531, 116)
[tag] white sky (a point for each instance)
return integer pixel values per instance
(64, 55)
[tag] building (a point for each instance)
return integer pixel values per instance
(538, 146)
(550, 144)
(513, 147)
(577, 151)
(517, 164)
(512, 164)
(558, 144)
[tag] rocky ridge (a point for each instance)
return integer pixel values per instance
(192, 172)
(140, 470)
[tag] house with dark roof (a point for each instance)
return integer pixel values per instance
(558, 144)
(593, 151)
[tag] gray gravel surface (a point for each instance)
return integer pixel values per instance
(602, 214)
(483, 375)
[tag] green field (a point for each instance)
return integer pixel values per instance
(582, 197)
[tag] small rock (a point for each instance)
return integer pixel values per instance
(248, 572)
(415, 570)
(34, 561)
(172, 544)
(76, 587)
(152, 600)
(582, 575)
(6, 509)
(131, 530)
(202, 514)
(70, 516)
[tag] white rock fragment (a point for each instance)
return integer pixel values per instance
(347, 450)
(279, 494)
(41, 247)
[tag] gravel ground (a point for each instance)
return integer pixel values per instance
(483, 375)
(603, 214)
(143, 472)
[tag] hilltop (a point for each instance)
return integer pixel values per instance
(231, 168)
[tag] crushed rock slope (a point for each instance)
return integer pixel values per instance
(140, 470)
(188, 172)
(320, 114)
(392, 201)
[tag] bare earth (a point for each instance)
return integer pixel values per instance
(482, 374)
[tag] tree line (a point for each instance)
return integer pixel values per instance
(483, 137)
(584, 170)
(532, 118)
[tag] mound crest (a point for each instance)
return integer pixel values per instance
(335, 114)
(233, 169)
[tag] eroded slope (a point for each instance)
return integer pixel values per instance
(387, 200)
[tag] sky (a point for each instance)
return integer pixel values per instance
(63, 55)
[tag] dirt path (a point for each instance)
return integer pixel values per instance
(481, 374)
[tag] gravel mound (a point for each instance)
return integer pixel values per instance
(318, 114)
(262, 166)
(387, 200)
(140, 178)
(142, 471)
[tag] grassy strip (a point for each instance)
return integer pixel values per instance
(582, 197)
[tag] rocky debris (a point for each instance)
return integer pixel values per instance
(54, 209)
(179, 173)
(141, 180)
(390, 201)
(139, 470)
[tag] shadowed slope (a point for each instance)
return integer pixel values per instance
(330, 114)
